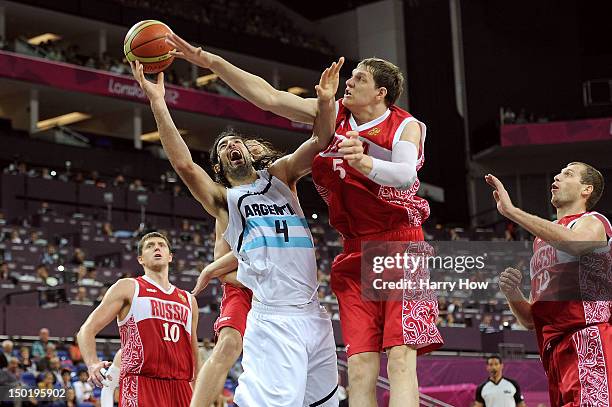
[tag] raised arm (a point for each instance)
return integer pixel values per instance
(210, 194)
(251, 87)
(586, 235)
(116, 302)
(294, 166)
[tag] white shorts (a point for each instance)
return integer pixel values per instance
(289, 358)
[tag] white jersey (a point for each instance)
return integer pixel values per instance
(269, 236)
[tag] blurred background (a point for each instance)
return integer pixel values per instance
(518, 89)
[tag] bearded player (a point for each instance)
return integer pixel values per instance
(368, 177)
(574, 335)
(158, 327)
(235, 305)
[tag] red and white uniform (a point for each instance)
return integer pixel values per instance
(235, 306)
(574, 335)
(157, 361)
(361, 210)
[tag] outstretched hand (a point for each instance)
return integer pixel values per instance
(153, 90)
(184, 50)
(501, 196)
(330, 78)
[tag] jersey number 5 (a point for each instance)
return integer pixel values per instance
(171, 332)
(337, 166)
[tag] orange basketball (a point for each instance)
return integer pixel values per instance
(145, 43)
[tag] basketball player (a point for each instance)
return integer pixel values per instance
(574, 336)
(369, 181)
(235, 305)
(289, 351)
(158, 325)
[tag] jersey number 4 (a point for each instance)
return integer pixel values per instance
(284, 229)
(171, 332)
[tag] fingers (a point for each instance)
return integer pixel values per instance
(339, 66)
(352, 134)
(350, 158)
(351, 150)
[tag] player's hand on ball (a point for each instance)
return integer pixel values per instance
(95, 376)
(186, 51)
(330, 78)
(153, 90)
(501, 196)
(510, 283)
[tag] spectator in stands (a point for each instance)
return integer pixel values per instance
(7, 353)
(107, 229)
(45, 362)
(7, 378)
(45, 209)
(50, 256)
(36, 239)
(47, 384)
(78, 258)
(42, 273)
(2, 219)
(39, 347)
(15, 238)
(119, 181)
(82, 297)
(25, 361)
(71, 400)
(5, 272)
(56, 368)
(75, 352)
(83, 389)
(13, 367)
(487, 325)
(90, 279)
(137, 186)
(66, 378)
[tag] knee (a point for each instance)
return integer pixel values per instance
(228, 347)
(363, 372)
(401, 362)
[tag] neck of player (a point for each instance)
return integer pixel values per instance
(365, 114)
(247, 179)
(160, 276)
(570, 208)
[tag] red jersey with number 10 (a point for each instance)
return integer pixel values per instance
(358, 206)
(562, 284)
(156, 333)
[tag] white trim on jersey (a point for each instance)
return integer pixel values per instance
(400, 129)
(150, 280)
(129, 314)
(372, 123)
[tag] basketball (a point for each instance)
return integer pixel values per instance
(145, 42)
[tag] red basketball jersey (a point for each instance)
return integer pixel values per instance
(558, 282)
(156, 333)
(358, 206)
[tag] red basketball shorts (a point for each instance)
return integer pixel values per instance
(235, 305)
(579, 368)
(373, 326)
(141, 391)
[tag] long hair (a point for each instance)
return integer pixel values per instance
(267, 159)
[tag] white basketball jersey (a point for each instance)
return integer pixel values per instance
(269, 235)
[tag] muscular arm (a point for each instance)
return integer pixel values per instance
(522, 311)
(117, 298)
(221, 248)
(259, 92)
(587, 234)
(210, 194)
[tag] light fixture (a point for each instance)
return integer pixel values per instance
(296, 90)
(315, 216)
(203, 80)
(62, 120)
(39, 39)
(154, 135)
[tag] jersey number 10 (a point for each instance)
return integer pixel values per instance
(171, 332)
